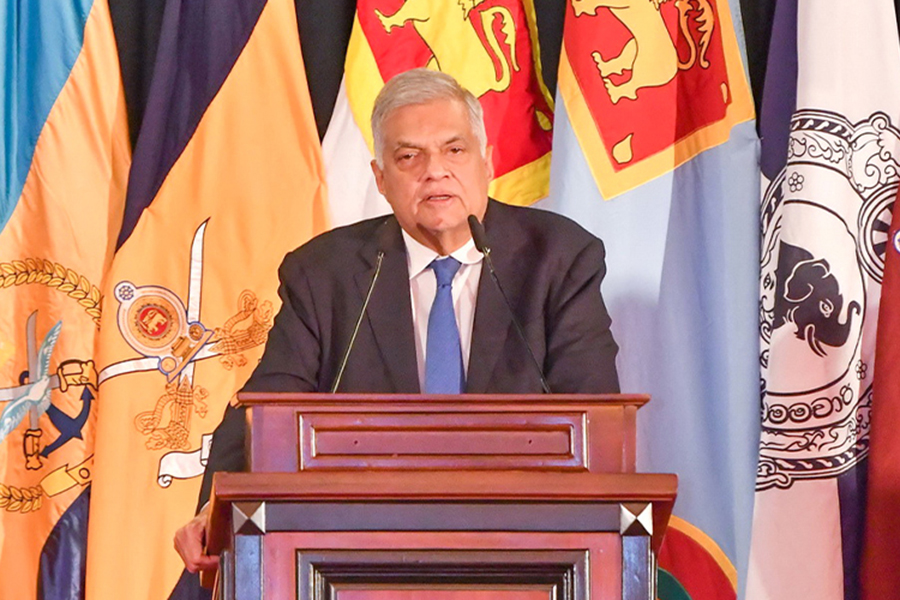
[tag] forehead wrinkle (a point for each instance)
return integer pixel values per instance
(421, 146)
(407, 144)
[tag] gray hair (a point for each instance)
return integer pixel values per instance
(421, 86)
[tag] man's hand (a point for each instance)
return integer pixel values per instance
(189, 542)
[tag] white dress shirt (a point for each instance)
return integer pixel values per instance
(423, 287)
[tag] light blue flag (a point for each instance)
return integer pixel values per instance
(683, 291)
(43, 39)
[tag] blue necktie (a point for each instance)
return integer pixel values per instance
(444, 372)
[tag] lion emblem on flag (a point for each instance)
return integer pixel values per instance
(445, 37)
(650, 54)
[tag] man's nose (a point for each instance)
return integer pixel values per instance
(435, 165)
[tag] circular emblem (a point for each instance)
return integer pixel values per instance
(196, 331)
(154, 319)
(874, 222)
(151, 318)
(168, 364)
(825, 222)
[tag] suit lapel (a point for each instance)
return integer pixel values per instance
(493, 325)
(489, 333)
(390, 311)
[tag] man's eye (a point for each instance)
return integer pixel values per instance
(457, 150)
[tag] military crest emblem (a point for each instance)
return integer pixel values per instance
(51, 389)
(168, 335)
(154, 322)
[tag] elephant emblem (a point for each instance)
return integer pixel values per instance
(809, 297)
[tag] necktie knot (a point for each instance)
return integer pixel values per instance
(445, 269)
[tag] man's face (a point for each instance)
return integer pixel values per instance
(434, 176)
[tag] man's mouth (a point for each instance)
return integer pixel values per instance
(438, 197)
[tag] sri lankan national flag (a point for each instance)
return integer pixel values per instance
(489, 46)
(226, 178)
(649, 85)
(63, 160)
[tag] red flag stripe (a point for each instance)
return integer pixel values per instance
(698, 564)
(880, 577)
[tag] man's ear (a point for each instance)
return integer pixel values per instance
(489, 162)
(379, 176)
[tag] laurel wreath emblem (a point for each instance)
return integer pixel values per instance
(53, 275)
(22, 500)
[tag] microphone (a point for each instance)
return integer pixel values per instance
(480, 239)
(384, 240)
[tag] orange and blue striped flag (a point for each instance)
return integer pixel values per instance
(63, 166)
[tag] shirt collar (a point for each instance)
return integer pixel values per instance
(419, 256)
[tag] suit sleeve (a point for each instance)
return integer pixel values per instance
(290, 363)
(292, 357)
(581, 352)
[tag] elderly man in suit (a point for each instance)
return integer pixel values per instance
(436, 321)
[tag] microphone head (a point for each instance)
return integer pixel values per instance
(478, 235)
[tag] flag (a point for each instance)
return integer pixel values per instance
(655, 152)
(489, 46)
(226, 178)
(63, 164)
(882, 538)
(829, 161)
(649, 86)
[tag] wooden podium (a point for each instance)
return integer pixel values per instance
(408, 497)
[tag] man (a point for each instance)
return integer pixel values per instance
(436, 322)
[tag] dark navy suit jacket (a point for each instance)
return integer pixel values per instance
(549, 266)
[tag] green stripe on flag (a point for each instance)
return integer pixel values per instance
(668, 587)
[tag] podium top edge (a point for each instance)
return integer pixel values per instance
(450, 485)
(253, 398)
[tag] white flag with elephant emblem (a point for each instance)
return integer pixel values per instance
(829, 160)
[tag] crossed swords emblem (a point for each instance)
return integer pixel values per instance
(154, 322)
(166, 333)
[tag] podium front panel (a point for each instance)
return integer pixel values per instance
(464, 440)
(365, 536)
(397, 565)
(354, 497)
(365, 432)
(446, 574)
